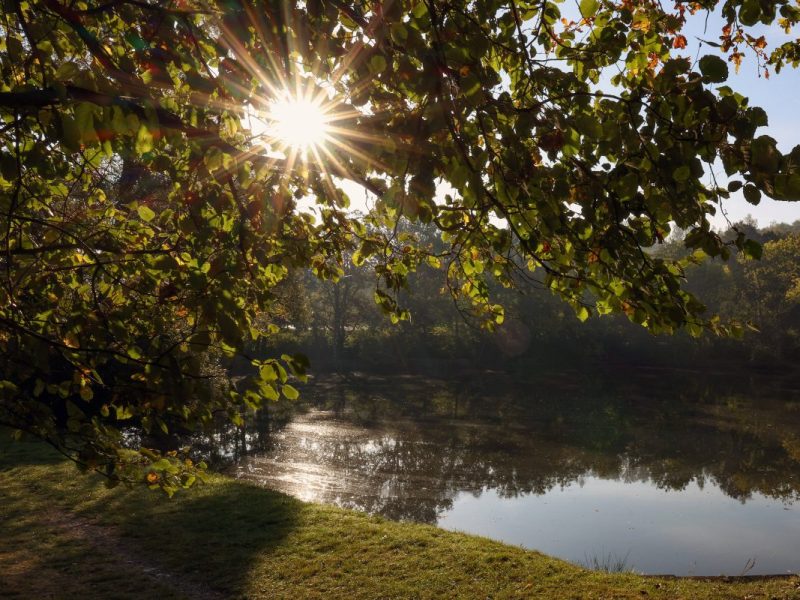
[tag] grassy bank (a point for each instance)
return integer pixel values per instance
(63, 535)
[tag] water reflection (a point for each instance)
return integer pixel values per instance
(415, 449)
(225, 444)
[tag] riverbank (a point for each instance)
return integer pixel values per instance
(64, 535)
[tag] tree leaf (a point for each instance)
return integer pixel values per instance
(713, 68)
(377, 64)
(145, 212)
(589, 8)
(290, 392)
(752, 194)
(144, 140)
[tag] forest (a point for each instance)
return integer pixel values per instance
(340, 328)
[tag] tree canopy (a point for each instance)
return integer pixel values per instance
(146, 217)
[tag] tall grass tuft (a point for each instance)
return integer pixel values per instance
(608, 562)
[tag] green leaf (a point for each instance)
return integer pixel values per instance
(752, 194)
(714, 69)
(269, 392)
(399, 32)
(682, 174)
(750, 12)
(145, 213)
(589, 8)
(84, 119)
(123, 413)
(119, 124)
(67, 71)
(735, 186)
(290, 392)
(70, 134)
(377, 64)
(694, 329)
(144, 140)
(268, 373)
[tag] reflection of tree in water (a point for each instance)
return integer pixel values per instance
(224, 444)
(405, 447)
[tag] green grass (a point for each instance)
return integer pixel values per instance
(63, 535)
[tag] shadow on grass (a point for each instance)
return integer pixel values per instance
(212, 534)
(28, 451)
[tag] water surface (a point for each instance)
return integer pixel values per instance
(684, 475)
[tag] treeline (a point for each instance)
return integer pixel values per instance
(340, 327)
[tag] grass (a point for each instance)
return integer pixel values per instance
(607, 562)
(63, 535)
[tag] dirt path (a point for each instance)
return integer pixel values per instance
(106, 541)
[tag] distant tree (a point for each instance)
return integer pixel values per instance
(769, 296)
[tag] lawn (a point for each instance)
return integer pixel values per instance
(64, 535)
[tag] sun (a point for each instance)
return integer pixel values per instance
(310, 129)
(297, 123)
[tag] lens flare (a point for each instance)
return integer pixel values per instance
(297, 123)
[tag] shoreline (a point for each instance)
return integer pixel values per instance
(65, 535)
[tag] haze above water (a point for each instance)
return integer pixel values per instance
(650, 471)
